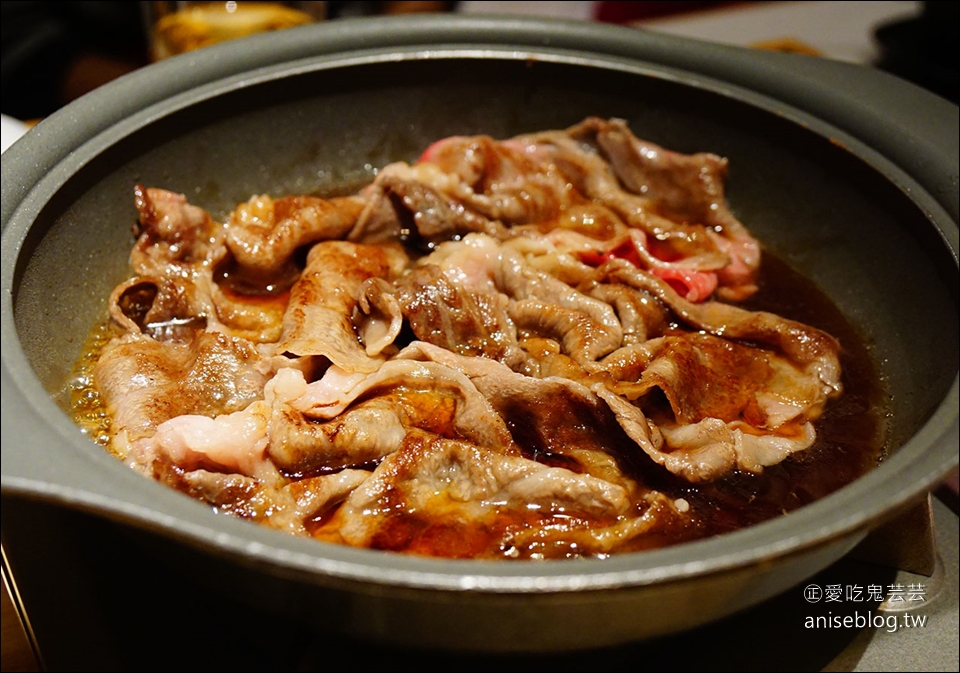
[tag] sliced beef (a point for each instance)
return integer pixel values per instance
(641, 315)
(429, 395)
(507, 349)
(234, 442)
(703, 407)
(300, 444)
(264, 233)
(381, 316)
(319, 318)
(554, 420)
(179, 257)
(144, 382)
(418, 206)
(810, 349)
(444, 497)
(158, 307)
(465, 320)
(173, 231)
(499, 179)
(290, 508)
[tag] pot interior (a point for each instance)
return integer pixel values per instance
(812, 200)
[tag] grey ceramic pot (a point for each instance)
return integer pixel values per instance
(848, 174)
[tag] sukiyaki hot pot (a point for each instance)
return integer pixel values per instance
(832, 200)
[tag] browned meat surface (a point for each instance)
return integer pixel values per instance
(498, 180)
(450, 498)
(523, 348)
(263, 233)
(427, 395)
(178, 257)
(144, 382)
(319, 316)
(173, 231)
(470, 321)
(291, 508)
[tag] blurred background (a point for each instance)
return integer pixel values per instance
(54, 52)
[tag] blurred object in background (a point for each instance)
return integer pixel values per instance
(343, 10)
(841, 31)
(54, 52)
(626, 12)
(11, 129)
(585, 10)
(178, 27)
(923, 49)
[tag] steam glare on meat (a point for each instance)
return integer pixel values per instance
(521, 348)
